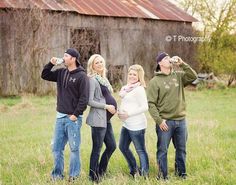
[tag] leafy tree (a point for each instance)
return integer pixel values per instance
(219, 23)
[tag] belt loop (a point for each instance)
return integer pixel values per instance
(177, 122)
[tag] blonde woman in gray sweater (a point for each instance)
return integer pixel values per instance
(102, 108)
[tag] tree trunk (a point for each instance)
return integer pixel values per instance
(231, 79)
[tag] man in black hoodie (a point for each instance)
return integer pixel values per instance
(72, 100)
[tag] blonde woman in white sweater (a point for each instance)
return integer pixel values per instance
(131, 113)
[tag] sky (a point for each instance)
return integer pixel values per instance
(199, 25)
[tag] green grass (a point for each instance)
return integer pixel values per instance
(10, 101)
(26, 129)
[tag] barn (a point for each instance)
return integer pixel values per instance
(124, 32)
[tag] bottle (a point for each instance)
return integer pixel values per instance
(174, 60)
(59, 61)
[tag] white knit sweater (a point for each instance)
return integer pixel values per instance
(135, 103)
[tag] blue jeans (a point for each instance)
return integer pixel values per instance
(178, 133)
(138, 139)
(100, 135)
(66, 130)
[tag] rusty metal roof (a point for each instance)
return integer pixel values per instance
(147, 9)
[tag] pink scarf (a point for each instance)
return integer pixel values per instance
(127, 88)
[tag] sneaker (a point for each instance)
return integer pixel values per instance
(133, 174)
(56, 178)
(162, 178)
(72, 179)
(145, 177)
(95, 179)
(183, 176)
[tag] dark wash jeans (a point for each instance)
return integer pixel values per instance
(100, 135)
(178, 133)
(138, 139)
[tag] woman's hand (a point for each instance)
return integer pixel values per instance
(123, 115)
(110, 108)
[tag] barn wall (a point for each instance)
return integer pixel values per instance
(25, 47)
(128, 35)
(123, 41)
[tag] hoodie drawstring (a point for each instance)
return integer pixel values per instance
(65, 79)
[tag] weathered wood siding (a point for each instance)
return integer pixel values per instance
(123, 41)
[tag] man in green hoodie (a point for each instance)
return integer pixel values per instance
(166, 102)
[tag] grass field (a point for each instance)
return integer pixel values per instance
(26, 129)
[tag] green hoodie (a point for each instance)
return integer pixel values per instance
(165, 94)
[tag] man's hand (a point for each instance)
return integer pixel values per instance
(163, 126)
(53, 60)
(73, 118)
(179, 61)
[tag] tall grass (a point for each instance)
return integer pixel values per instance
(26, 130)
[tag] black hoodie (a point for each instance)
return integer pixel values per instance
(72, 88)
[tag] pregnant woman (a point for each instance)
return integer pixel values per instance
(131, 112)
(102, 107)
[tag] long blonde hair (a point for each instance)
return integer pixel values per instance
(139, 69)
(90, 71)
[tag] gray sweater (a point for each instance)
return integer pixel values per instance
(97, 113)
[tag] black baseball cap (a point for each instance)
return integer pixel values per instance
(74, 53)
